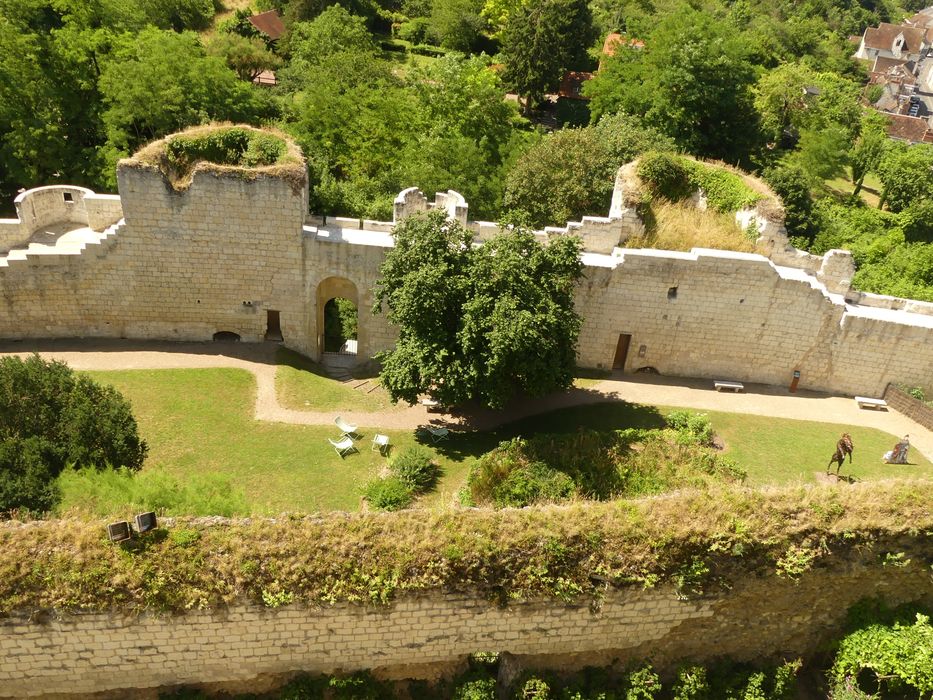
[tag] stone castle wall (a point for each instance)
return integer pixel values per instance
(233, 247)
(758, 619)
(737, 316)
(902, 402)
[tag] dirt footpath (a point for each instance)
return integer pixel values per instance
(259, 359)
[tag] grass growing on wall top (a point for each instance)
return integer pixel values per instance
(693, 540)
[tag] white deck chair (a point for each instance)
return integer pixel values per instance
(345, 428)
(437, 434)
(344, 446)
(381, 442)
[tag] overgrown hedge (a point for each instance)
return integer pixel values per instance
(225, 146)
(674, 178)
(694, 539)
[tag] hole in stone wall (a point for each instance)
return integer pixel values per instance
(68, 197)
(672, 293)
(226, 335)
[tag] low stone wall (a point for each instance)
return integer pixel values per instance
(902, 402)
(758, 618)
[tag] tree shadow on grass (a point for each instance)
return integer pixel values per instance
(602, 416)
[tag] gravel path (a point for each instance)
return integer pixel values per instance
(260, 360)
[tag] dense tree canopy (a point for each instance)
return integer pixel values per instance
(50, 419)
(571, 173)
(692, 80)
(477, 323)
(542, 39)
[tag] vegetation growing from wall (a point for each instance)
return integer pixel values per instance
(601, 465)
(722, 681)
(674, 178)
(52, 419)
(889, 652)
(565, 552)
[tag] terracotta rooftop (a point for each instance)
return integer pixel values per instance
(572, 83)
(883, 63)
(883, 36)
(614, 41)
(269, 23)
(912, 129)
(924, 18)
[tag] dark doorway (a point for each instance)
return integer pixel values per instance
(273, 325)
(625, 339)
(340, 326)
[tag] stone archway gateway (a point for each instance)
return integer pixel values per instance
(337, 344)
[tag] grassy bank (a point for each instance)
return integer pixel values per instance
(692, 539)
(201, 431)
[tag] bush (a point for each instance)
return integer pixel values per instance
(665, 175)
(899, 656)
(791, 184)
(388, 494)
(725, 191)
(415, 468)
(692, 428)
(51, 418)
(416, 31)
(227, 146)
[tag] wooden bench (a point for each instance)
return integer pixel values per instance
(720, 385)
(865, 402)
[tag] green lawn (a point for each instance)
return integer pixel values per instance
(870, 192)
(303, 385)
(199, 422)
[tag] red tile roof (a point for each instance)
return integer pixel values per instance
(883, 36)
(912, 129)
(572, 83)
(614, 40)
(269, 23)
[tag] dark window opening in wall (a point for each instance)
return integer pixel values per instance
(624, 341)
(68, 197)
(340, 326)
(273, 326)
(226, 336)
(672, 293)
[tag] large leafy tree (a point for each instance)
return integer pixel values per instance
(571, 172)
(541, 40)
(477, 323)
(692, 80)
(51, 418)
(907, 175)
(157, 82)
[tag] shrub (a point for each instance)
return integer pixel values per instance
(691, 684)
(725, 191)
(534, 483)
(693, 428)
(899, 655)
(50, 418)
(642, 684)
(533, 689)
(225, 146)
(388, 494)
(415, 468)
(665, 175)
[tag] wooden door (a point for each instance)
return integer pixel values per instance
(625, 339)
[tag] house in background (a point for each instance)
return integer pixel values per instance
(898, 41)
(900, 62)
(269, 23)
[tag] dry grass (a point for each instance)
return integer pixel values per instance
(290, 166)
(566, 552)
(682, 226)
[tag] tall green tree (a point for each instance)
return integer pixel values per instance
(906, 173)
(542, 39)
(692, 80)
(477, 323)
(570, 173)
(157, 82)
(247, 57)
(458, 24)
(51, 419)
(867, 151)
